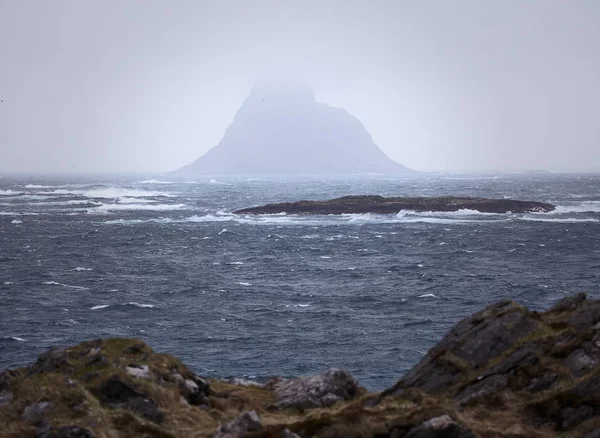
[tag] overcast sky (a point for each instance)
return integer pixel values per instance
(462, 85)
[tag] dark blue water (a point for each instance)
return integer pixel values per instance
(279, 295)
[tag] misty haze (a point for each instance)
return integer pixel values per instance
(299, 219)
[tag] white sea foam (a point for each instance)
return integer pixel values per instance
(16, 338)
(38, 186)
(9, 192)
(79, 269)
(244, 283)
(54, 283)
(325, 257)
(16, 221)
(110, 193)
(130, 200)
(144, 206)
(310, 236)
(156, 181)
(581, 207)
(99, 306)
(567, 220)
(18, 213)
(235, 263)
(303, 305)
(224, 230)
(428, 296)
(133, 303)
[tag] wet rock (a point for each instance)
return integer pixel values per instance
(542, 382)
(135, 348)
(584, 317)
(572, 416)
(6, 378)
(316, 391)
(116, 393)
(580, 362)
(6, 398)
(65, 432)
(440, 427)
(472, 343)
(592, 434)
(57, 359)
(483, 388)
(194, 394)
(247, 422)
(34, 413)
(569, 303)
(99, 360)
(144, 407)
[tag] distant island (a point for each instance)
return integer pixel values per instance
(282, 129)
(381, 205)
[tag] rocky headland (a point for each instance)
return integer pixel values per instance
(382, 205)
(503, 372)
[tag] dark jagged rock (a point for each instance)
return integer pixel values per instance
(503, 372)
(381, 205)
(281, 129)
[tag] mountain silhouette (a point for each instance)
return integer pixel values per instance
(281, 129)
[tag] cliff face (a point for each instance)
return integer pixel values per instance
(281, 129)
(503, 372)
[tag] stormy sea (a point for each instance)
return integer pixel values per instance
(232, 295)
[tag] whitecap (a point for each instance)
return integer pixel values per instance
(79, 269)
(18, 339)
(420, 265)
(110, 193)
(17, 213)
(581, 207)
(148, 207)
(38, 186)
(16, 221)
(569, 220)
(243, 283)
(428, 296)
(99, 306)
(133, 303)
(156, 181)
(54, 283)
(235, 263)
(9, 192)
(325, 257)
(8, 283)
(303, 305)
(224, 230)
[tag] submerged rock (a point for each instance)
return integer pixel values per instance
(381, 205)
(504, 371)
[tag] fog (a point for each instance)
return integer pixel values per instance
(149, 86)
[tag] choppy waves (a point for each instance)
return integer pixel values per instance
(240, 294)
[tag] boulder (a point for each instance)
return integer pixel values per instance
(239, 427)
(316, 391)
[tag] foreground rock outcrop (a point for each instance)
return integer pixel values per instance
(381, 205)
(503, 372)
